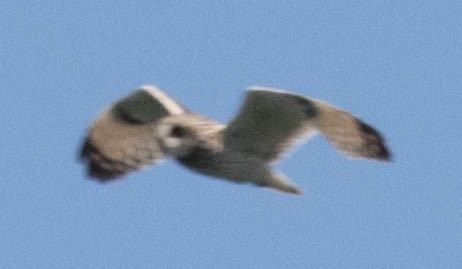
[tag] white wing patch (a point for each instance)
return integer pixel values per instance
(171, 105)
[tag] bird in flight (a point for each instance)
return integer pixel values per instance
(148, 126)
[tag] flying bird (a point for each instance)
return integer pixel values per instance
(148, 126)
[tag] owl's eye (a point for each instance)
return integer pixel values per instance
(178, 131)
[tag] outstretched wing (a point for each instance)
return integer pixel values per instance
(122, 138)
(271, 120)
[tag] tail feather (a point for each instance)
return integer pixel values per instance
(280, 183)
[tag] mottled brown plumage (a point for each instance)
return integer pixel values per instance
(148, 126)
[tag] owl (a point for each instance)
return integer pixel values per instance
(148, 126)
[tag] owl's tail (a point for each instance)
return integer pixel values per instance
(280, 183)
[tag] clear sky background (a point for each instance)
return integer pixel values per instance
(395, 64)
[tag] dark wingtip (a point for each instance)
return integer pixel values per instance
(95, 170)
(383, 154)
(375, 143)
(86, 150)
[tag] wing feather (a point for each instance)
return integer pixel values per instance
(122, 138)
(271, 121)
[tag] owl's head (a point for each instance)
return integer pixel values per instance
(175, 138)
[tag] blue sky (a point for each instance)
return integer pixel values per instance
(395, 64)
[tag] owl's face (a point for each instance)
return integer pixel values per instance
(175, 138)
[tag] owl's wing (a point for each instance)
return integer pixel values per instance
(270, 121)
(122, 138)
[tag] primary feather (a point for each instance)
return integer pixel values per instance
(270, 121)
(122, 138)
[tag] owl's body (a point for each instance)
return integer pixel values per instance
(148, 126)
